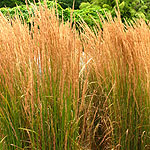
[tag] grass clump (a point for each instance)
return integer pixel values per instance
(121, 70)
(39, 83)
(54, 97)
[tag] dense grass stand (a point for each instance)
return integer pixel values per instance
(52, 97)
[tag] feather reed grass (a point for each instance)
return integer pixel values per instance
(121, 71)
(50, 100)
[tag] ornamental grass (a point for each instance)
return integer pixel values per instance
(55, 97)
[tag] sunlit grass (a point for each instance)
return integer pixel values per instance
(121, 69)
(54, 97)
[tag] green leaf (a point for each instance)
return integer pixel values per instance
(122, 5)
(84, 5)
(106, 6)
(140, 15)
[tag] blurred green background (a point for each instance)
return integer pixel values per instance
(87, 9)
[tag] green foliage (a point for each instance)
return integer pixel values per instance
(84, 5)
(12, 3)
(90, 14)
(101, 3)
(69, 3)
(23, 12)
(129, 9)
(89, 11)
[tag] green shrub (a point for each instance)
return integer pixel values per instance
(87, 14)
(89, 11)
(129, 9)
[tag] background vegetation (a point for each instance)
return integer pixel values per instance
(88, 9)
(13, 3)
